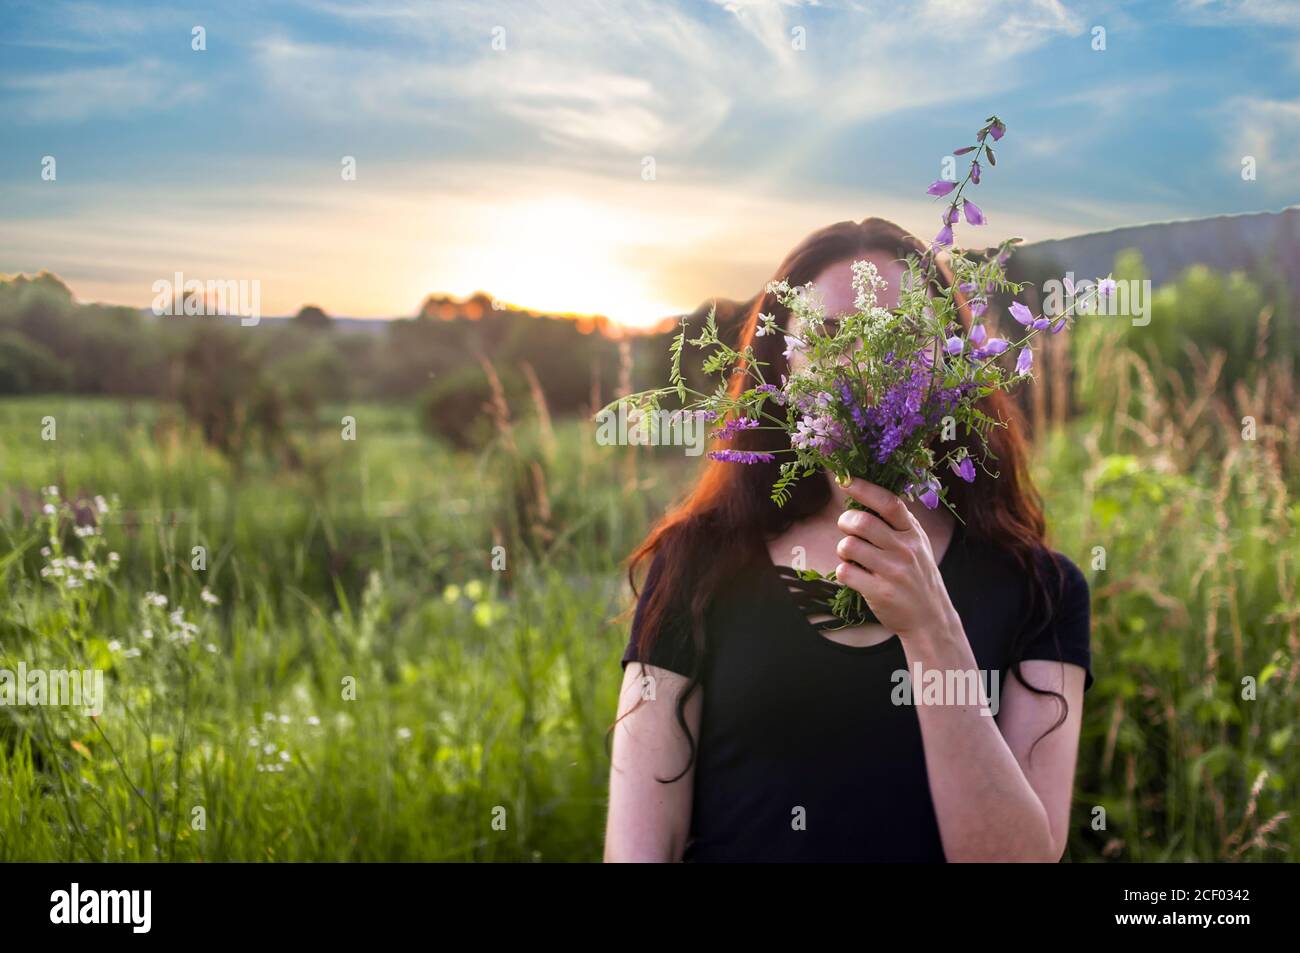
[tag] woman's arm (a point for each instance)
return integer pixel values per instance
(992, 802)
(649, 821)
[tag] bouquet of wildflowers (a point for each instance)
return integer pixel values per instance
(876, 387)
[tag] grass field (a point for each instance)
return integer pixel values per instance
(360, 682)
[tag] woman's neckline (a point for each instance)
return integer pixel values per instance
(774, 568)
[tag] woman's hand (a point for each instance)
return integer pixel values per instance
(888, 559)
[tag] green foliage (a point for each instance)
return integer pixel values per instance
(27, 367)
(478, 688)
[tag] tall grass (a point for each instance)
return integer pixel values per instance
(370, 687)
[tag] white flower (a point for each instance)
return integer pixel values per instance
(155, 599)
(147, 634)
(45, 551)
(101, 505)
(207, 596)
(74, 582)
(50, 490)
(48, 508)
(403, 733)
(131, 653)
(284, 719)
(114, 559)
(866, 284)
(115, 646)
(313, 720)
(284, 756)
(211, 648)
(268, 748)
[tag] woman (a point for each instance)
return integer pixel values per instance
(750, 730)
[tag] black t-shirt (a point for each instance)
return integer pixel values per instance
(800, 731)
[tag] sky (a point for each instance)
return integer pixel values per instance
(615, 157)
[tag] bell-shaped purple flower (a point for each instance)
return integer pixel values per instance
(975, 172)
(930, 498)
(953, 346)
(993, 347)
(944, 238)
(1021, 313)
(974, 216)
(1025, 362)
(941, 187)
(965, 469)
(978, 335)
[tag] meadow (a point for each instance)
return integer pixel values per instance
(404, 651)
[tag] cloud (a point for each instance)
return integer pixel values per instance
(1268, 12)
(1269, 130)
(77, 94)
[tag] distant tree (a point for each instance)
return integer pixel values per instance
(27, 367)
(311, 316)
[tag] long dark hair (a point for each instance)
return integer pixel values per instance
(730, 509)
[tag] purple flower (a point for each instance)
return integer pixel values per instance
(978, 307)
(741, 456)
(1106, 287)
(822, 434)
(950, 217)
(1040, 323)
(941, 187)
(973, 214)
(729, 429)
(855, 407)
(968, 287)
(791, 345)
(975, 172)
(992, 348)
(965, 469)
(1021, 313)
(953, 346)
(1025, 361)
(978, 335)
(1059, 326)
(944, 237)
(996, 131)
(897, 415)
(930, 498)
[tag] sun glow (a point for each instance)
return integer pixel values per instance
(565, 255)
